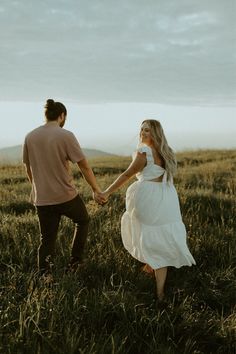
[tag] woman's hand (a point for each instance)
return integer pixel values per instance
(104, 195)
(99, 198)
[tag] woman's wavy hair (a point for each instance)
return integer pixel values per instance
(54, 109)
(162, 147)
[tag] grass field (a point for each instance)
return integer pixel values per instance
(109, 306)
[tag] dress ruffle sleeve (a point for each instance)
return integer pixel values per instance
(147, 150)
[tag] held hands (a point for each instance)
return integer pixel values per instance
(105, 195)
(101, 197)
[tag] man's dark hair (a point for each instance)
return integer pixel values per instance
(54, 109)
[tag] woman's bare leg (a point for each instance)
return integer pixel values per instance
(160, 275)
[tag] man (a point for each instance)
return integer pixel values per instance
(46, 154)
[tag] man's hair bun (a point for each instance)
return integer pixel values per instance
(49, 104)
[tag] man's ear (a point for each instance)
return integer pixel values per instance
(61, 116)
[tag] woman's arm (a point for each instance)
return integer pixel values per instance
(136, 166)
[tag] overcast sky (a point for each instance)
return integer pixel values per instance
(173, 53)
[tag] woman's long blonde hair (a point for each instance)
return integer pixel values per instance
(162, 147)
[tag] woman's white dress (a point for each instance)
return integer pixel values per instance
(151, 228)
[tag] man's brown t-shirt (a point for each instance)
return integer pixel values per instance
(48, 150)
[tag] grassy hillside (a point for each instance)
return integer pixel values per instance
(109, 306)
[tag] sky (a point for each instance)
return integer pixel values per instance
(115, 63)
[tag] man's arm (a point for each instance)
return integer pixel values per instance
(28, 172)
(88, 174)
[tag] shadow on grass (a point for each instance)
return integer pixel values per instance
(12, 180)
(16, 208)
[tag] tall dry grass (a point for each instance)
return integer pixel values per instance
(109, 306)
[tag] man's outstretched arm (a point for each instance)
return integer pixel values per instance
(88, 174)
(28, 172)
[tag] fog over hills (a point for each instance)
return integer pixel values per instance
(13, 154)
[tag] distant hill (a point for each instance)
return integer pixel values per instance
(13, 154)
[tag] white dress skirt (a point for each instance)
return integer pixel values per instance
(151, 228)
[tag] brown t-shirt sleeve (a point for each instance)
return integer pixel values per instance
(74, 151)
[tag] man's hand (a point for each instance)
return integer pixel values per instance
(105, 195)
(99, 198)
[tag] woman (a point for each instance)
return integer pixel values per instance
(151, 228)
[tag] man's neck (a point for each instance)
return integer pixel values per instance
(52, 122)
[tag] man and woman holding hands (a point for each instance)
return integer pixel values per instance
(151, 228)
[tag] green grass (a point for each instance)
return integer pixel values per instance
(109, 306)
